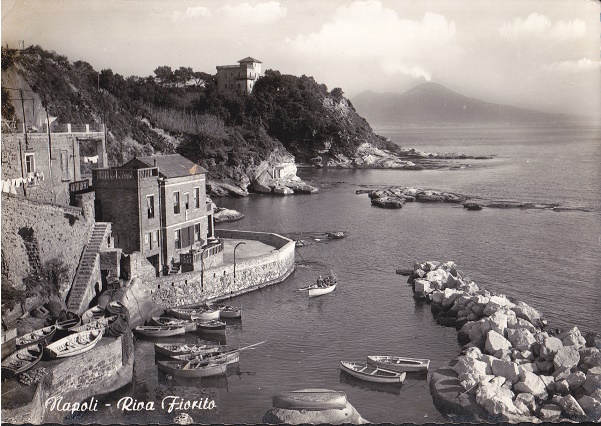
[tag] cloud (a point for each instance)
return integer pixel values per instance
(190, 13)
(581, 65)
(262, 13)
(535, 26)
(367, 33)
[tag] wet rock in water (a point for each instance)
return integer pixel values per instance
(387, 202)
(282, 190)
(226, 215)
(429, 196)
(300, 187)
(472, 206)
(404, 271)
(347, 415)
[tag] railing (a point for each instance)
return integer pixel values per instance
(122, 174)
(18, 127)
(79, 185)
(195, 256)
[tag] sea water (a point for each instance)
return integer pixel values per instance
(549, 259)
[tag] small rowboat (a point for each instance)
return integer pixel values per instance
(115, 307)
(227, 311)
(100, 323)
(371, 373)
(159, 330)
(192, 369)
(318, 291)
(195, 314)
(173, 349)
(22, 360)
(310, 399)
(212, 326)
(74, 344)
(41, 336)
(72, 321)
(187, 324)
(397, 363)
(229, 357)
(323, 286)
(92, 314)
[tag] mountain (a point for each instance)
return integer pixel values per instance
(434, 104)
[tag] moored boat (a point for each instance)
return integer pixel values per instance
(310, 399)
(173, 349)
(22, 360)
(397, 363)
(92, 314)
(229, 357)
(322, 286)
(205, 313)
(74, 344)
(159, 330)
(100, 323)
(41, 336)
(212, 326)
(372, 373)
(189, 325)
(192, 368)
(227, 311)
(70, 321)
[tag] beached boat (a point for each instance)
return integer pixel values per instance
(187, 324)
(227, 311)
(229, 357)
(22, 360)
(371, 373)
(92, 314)
(397, 363)
(160, 330)
(100, 323)
(310, 399)
(115, 307)
(192, 368)
(205, 313)
(212, 326)
(68, 322)
(173, 349)
(41, 336)
(74, 344)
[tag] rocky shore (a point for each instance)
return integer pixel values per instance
(512, 367)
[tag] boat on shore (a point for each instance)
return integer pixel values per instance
(74, 344)
(189, 325)
(192, 368)
(205, 313)
(227, 311)
(174, 349)
(41, 336)
(310, 399)
(92, 314)
(372, 373)
(22, 360)
(160, 330)
(68, 321)
(213, 326)
(100, 323)
(397, 363)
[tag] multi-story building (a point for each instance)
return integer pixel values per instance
(158, 207)
(239, 78)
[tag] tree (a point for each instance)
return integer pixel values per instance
(48, 279)
(182, 75)
(164, 74)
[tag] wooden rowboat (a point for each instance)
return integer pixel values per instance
(22, 360)
(100, 323)
(323, 286)
(187, 324)
(41, 336)
(192, 369)
(212, 326)
(195, 314)
(74, 344)
(397, 363)
(92, 314)
(229, 357)
(371, 373)
(227, 311)
(159, 330)
(310, 399)
(318, 291)
(69, 323)
(173, 349)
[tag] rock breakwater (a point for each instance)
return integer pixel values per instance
(512, 368)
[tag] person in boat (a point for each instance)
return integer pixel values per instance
(320, 282)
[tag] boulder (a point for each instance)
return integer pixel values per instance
(561, 373)
(282, 190)
(495, 303)
(571, 408)
(450, 295)
(521, 339)
(524, 311)
(549, 382)
(429, 196)
(575, 380)
(469, 365)
(562, 387)
(592, 383)
(497, 399)
(438, 275)
(422, 288)
(263, 183)
(300, 187)
(572, 337)
(347, 415)
(226, 215)
(531, 383)
(566, 357)
(550, 413)
(437, 296)
(387, 202)
(137, 298)
(528, 400)
(507, 369)
(495, 342)
(498, 322)
(549, 347)
(590, 357)
(544, 366)
(591, 407)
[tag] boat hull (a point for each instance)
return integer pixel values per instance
(178, 369)
(159, 331)
(394, 363)
(72, 345)
(184, 349)
(188, 325)
(372, 373)
(310, 399)
(226, 358)
(41, 336)
(22, 360)
(319, 291)
(229, 312)
(195, 314)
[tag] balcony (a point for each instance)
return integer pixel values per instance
(124, 174)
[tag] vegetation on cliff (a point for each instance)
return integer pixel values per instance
(182, 111)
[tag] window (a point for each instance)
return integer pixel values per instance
(146, 239)
(150, 205)
(186, 200)
(196, 198)
(197, 232)
(176, 202)
(29, 163)
(178, 241)
(65, 165)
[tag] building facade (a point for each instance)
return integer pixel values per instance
(239, 78)
(158, 207)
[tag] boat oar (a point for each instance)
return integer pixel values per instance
(304, 288)
(249, 346)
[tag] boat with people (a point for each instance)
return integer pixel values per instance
(201, 313)
(310, 399)
(22, 360)
(189, 325)
(160, 330)
(372, 373)
(213, 326)
(195, 368)
(227, 311)
(174, 349)
(397, 363)
(74, 344)
(41, 336)
(228, 357)
(324, 285)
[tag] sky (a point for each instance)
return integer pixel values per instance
(539, 54)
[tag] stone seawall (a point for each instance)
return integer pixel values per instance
(218, 282)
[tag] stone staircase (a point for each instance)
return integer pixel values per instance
(90, 261)
(32, 248)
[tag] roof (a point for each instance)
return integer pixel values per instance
(170, 165)
(249, 59)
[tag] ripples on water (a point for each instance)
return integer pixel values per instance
(547, 259)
